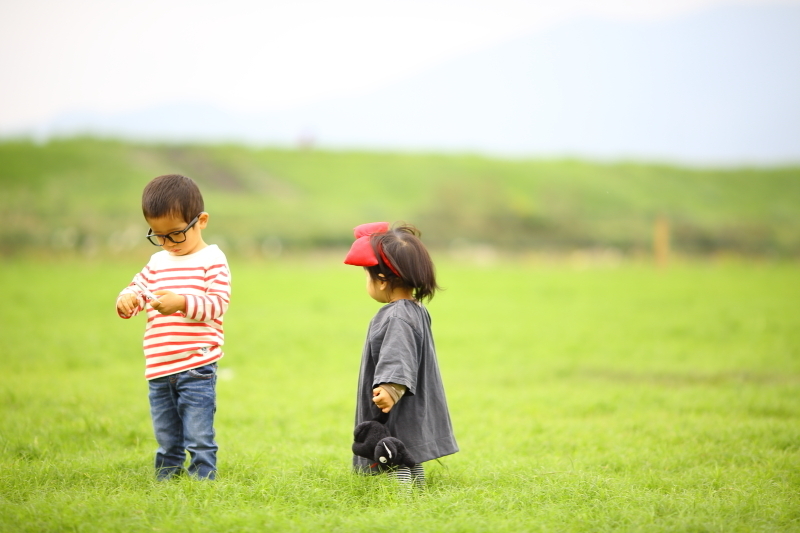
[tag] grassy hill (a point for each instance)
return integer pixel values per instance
(84, 193)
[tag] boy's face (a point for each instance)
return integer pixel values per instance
(172, 223)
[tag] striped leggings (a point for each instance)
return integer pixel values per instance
(409, 478)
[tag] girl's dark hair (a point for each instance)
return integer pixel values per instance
(172, 194)
(406, 253)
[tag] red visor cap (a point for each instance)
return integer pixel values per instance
(361, 252)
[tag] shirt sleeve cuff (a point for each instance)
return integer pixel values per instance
(395, 391)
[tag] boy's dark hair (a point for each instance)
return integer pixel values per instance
(172, 194)
(406, 253)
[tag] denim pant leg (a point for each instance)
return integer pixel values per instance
(197, 403)
(167, 426)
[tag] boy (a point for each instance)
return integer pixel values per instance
(183, 336)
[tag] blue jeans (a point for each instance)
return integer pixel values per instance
(182, 407)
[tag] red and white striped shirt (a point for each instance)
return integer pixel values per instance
(184, 340)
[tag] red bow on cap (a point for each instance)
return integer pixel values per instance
(361, 252)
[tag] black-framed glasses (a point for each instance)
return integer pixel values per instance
(176, 236)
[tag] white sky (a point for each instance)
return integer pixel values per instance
(253, 55)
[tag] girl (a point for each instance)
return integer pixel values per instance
(399, 372)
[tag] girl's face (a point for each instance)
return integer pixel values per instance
(377, 289)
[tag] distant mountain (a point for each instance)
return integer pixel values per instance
(721, 86)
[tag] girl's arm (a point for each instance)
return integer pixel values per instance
(386, 395)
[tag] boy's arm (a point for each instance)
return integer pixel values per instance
(129, 301)
(213, 304)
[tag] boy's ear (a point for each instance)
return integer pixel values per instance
(202, 220)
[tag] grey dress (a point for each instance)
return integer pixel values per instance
(400, 349)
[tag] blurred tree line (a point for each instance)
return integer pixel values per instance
(83, 194)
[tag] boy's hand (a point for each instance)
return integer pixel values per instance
(127, 304)
(168, 302)
(382, 399)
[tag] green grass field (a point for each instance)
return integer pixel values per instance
(601, 399)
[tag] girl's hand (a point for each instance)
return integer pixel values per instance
(168, 302)
(127, 304)
(382, 399)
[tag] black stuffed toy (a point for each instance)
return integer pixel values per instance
(373, 441)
